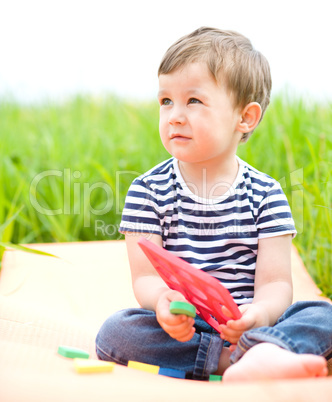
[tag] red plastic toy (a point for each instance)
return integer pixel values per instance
(205, 292)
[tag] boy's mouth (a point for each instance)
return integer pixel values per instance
(177, 136)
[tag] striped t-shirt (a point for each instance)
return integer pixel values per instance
(218, 235)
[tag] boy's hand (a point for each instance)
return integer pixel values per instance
(253, 316)
(179, 327)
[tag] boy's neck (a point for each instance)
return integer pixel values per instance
(210, 180)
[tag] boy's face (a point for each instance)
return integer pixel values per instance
(198, 122)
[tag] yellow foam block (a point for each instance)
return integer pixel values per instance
(92, 366)
(144, 367)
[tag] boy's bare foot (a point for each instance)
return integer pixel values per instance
(268, 361)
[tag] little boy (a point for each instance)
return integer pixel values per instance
(215, 211)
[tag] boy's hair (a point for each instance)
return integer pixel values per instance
(244, 70)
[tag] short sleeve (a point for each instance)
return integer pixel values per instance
(140, 213)
(274, 214)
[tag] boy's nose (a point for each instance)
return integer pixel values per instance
(177, 115)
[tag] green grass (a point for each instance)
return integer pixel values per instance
(70, 165)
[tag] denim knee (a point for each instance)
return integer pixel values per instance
(109, 340)
(133, 334)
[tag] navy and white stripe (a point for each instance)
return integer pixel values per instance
(218, 235)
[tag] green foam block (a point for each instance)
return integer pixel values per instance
(179, 307)
(214, 377)
(72, 353)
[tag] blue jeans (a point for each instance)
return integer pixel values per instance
(134, 334)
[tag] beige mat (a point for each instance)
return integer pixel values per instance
(47, 302)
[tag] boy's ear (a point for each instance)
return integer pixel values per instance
(251, 115)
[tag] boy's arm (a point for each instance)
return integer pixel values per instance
(151, 291)
(147, 284)
(273, 288)
(273, 277)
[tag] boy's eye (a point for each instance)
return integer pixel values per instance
(194, 100)
(166, 102)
